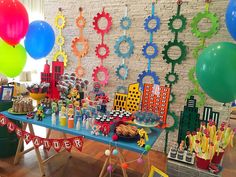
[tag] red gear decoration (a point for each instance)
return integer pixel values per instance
(96, 20)
(97, 51)
(95, 75)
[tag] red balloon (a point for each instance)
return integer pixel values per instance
(14, 21)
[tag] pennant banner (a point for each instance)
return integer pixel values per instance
(47, 143)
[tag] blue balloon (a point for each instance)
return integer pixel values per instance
(230, 18)
(39, 39)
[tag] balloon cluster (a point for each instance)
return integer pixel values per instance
(14, 26)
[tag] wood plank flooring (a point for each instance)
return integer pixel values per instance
(89, 163)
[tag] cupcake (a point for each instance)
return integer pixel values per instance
(180, 154)
(173, 152)
(189, 157)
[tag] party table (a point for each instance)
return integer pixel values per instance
(47, 123)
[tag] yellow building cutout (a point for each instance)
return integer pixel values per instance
(129, 102)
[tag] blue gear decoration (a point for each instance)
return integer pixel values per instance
(154, 54)
(123, 20)
(147, 21)
(145, 74)
(118, 74)
(118, 52)
(122, 89)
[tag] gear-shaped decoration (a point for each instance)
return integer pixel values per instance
(60, 40)
(119, 74)
(98, 51)
(172, 98)
(122, 89)
(171, 78)
(183, 23)
(103, 70)
(214, 25)
(80, 21)
(157, 23)
(61, 54)
(79, 71)
(60, 21)
(202, 98)
(182, 48)
(96, 21)
(175, 123)
(145, 74)
(127, 40)
(84, 50)
(155, 50)
(125, 23)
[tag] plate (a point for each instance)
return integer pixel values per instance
(16, 113)
(145, 125)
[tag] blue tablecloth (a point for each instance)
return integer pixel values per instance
(125, 144)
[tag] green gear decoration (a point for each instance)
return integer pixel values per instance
(182, 48)
(172, 98)
(202, 98)
(176, 122)
(171, 81)
(183, 23)
(191, 76)
(202, 36)
(214, 25)
(173, 62)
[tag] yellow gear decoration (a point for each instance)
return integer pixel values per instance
(60, 17)
(60, 40)
(60, 22)
(61, 54)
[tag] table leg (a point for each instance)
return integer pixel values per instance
(19, 146)
(146, 167)
(104, 167)
(40, 161)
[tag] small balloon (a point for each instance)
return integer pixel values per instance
(215, 71)
(147, 147)
(140, 160)
(109, 168)
(124, 165)
(115, 152)
(14, 21)
(39, 39)
(12, 59)
(107, 152)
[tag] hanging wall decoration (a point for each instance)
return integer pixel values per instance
(81, 40)
(202, 36)
(102, 46)
(172, 77)
(125, 24)
(60, 23)
(150, 45)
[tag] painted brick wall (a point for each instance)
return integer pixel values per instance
(138, 11)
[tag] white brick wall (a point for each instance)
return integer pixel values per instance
(138, 11)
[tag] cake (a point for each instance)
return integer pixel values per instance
(173, 152)
(146, 118)
(189, 157)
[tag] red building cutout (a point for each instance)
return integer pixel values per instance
(157, 104)
(52, 77)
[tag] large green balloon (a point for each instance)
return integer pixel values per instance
(12, 59)
(216, 71)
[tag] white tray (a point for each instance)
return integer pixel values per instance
(184, 161)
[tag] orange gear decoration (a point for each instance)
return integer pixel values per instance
(101, 69)
(84, 51)
(96, 20)
(102, 46)
(80, 23)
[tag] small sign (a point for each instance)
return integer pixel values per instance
(155, 172)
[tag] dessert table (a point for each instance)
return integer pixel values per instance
(47, 123)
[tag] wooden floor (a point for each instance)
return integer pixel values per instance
(89, 163)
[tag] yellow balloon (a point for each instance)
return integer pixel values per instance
(12, 59)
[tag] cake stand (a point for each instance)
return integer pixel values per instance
(38, 97)
(146, 127)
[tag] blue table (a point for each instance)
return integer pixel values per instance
(128, 145)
